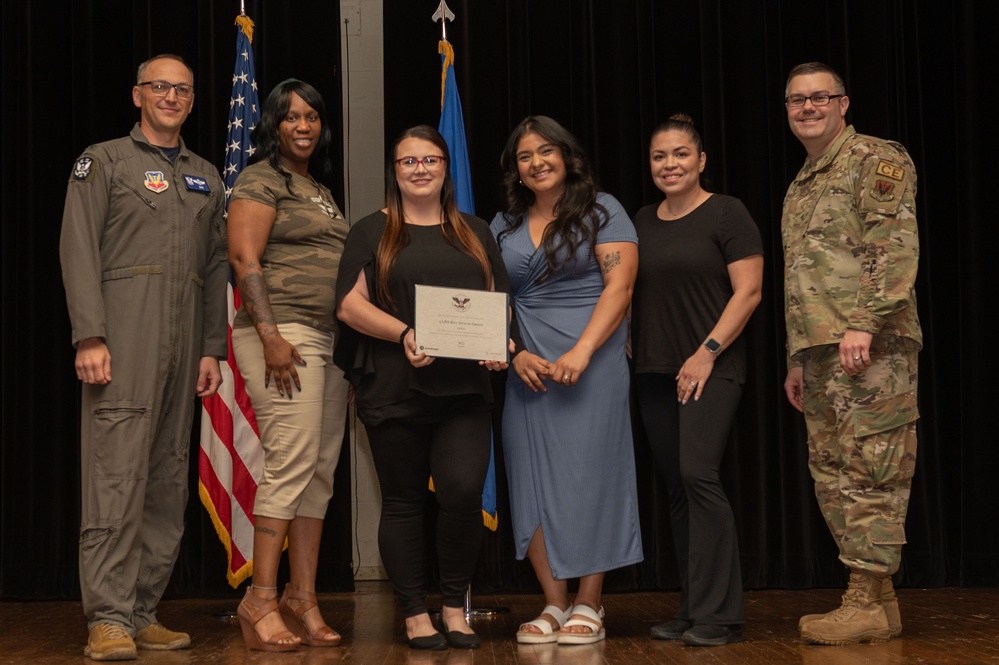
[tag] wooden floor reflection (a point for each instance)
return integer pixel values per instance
(941, 627)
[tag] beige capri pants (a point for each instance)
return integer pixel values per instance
(301, 436)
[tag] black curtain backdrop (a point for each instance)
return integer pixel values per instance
(68, 71)
(916, 71)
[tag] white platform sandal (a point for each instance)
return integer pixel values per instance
(547, 634)
(592, 620)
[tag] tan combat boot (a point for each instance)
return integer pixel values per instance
(861, 617)
(888, 599)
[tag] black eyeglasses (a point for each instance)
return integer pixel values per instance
(161, 88)
(430, 161)
(818, 99)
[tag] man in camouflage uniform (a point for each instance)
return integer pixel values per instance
(144, 266)
(850, 254)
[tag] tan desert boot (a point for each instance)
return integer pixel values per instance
(888, 599)
(861, 617)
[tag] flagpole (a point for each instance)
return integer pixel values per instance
(443, 14)
(452, 128)
(230, 459)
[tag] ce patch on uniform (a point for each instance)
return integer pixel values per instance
(884, 188)
(83, 169)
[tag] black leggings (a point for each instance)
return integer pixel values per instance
(454, 449)
(688, 442)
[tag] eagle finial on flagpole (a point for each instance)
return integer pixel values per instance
(443, 14)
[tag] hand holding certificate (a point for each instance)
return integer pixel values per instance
(462, 323)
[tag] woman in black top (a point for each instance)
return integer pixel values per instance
(700, 273)
(424, 416)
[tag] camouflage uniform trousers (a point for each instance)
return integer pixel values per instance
(862, 448)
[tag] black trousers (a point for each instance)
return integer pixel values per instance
(688, 443)
(450, 441)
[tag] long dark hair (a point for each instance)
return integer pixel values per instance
(578, 216)
(265, 136)
(456, 231)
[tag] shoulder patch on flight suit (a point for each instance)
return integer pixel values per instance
(83, 168)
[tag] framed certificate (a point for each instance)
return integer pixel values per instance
(462, 323)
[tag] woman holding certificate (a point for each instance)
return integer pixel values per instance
(424, 416)
(572, 258)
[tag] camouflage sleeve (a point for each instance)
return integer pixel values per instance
(887, 208)
(791, 361)
(257, 184)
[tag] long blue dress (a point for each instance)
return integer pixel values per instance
(569, 455)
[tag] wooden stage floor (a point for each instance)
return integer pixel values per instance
(941, 627)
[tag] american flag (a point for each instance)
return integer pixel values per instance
(231, 460)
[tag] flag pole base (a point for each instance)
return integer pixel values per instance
(477, 612)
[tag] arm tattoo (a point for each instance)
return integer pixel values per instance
(253, 290)
(611, 261)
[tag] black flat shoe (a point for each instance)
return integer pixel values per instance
(459, 640)
(712, 636)
(671, 630)
(435, 642)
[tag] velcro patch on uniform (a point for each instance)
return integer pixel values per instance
(155, 181)
(83, 168)
(884, 187)
(196, 184)
(889, 170)
(883, 190)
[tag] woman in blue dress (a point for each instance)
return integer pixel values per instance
(572, 257)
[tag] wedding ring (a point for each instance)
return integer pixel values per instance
(565, 377)
(693, 383)
(856, 357)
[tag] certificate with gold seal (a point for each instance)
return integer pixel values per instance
(462, 323)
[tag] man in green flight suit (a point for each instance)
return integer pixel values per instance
(144, 265)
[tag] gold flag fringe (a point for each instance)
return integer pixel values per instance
(246, 24)
(489, 521)
(234, 577)
(444, 48)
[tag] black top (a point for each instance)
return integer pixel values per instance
(683, 284)
(382, 376)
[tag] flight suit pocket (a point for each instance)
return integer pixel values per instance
(120, 433)
(130, 271)
(129, 191)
